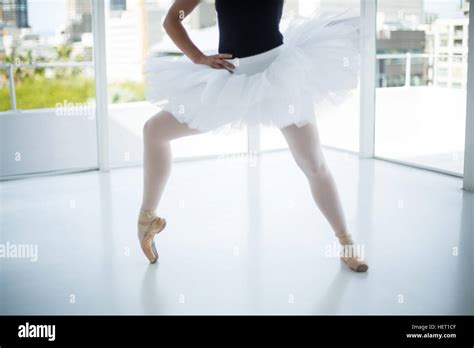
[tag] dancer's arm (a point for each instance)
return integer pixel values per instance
(176, 31)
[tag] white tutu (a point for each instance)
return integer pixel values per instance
(316, 66)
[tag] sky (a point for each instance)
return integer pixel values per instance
(445, 8)
(48, 16)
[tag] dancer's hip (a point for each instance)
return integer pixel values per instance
(257, 63)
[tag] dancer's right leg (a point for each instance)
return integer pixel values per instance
(158, 132)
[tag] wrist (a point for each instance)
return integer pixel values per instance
(196, 59)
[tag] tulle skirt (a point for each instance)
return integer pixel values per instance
(316, 67)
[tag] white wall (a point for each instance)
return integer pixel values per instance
(42, 141)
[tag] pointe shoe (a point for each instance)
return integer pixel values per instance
(354, 262)
(149, 225)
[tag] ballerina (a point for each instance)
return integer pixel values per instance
(259, 76)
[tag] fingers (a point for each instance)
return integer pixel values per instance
(219, 61)
(224, 56)
(227, 65)
(224, 64)
(216, 65)
(226, 68)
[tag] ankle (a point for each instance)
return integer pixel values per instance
(146, 215)
(345, 238)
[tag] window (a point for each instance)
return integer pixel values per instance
(47, 86)
(118, 5)
(423, 124)
(51, 66)
(46, 72)
(133, 32)
(444, 42)
(442, 38)
(458, 30)
(443, 72)
(443, 58)
(457, 58)
(329, 124)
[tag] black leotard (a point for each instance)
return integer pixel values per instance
(249, 27)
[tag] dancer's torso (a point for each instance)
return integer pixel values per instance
(249, 27)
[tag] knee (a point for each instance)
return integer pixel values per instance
(314, 168)
(151, 130)
(147, 128)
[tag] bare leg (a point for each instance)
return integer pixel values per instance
(158, 132)
(305, 147)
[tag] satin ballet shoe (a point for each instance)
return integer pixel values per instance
(149, 225)
(350, 258)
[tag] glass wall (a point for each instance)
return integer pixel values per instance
(422, 48)
(338, 127)
(133, 32)
(47, 116)
(47, 83)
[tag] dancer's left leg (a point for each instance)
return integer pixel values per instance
(305, 146)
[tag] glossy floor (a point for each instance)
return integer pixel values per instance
(243, 237)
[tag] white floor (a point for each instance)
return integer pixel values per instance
(240, 240)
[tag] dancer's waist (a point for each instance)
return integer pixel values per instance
(256, 63)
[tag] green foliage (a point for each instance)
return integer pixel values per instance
(126, 92)
(64, 52)
(40, 92)
(20, 73)
(34, 90)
